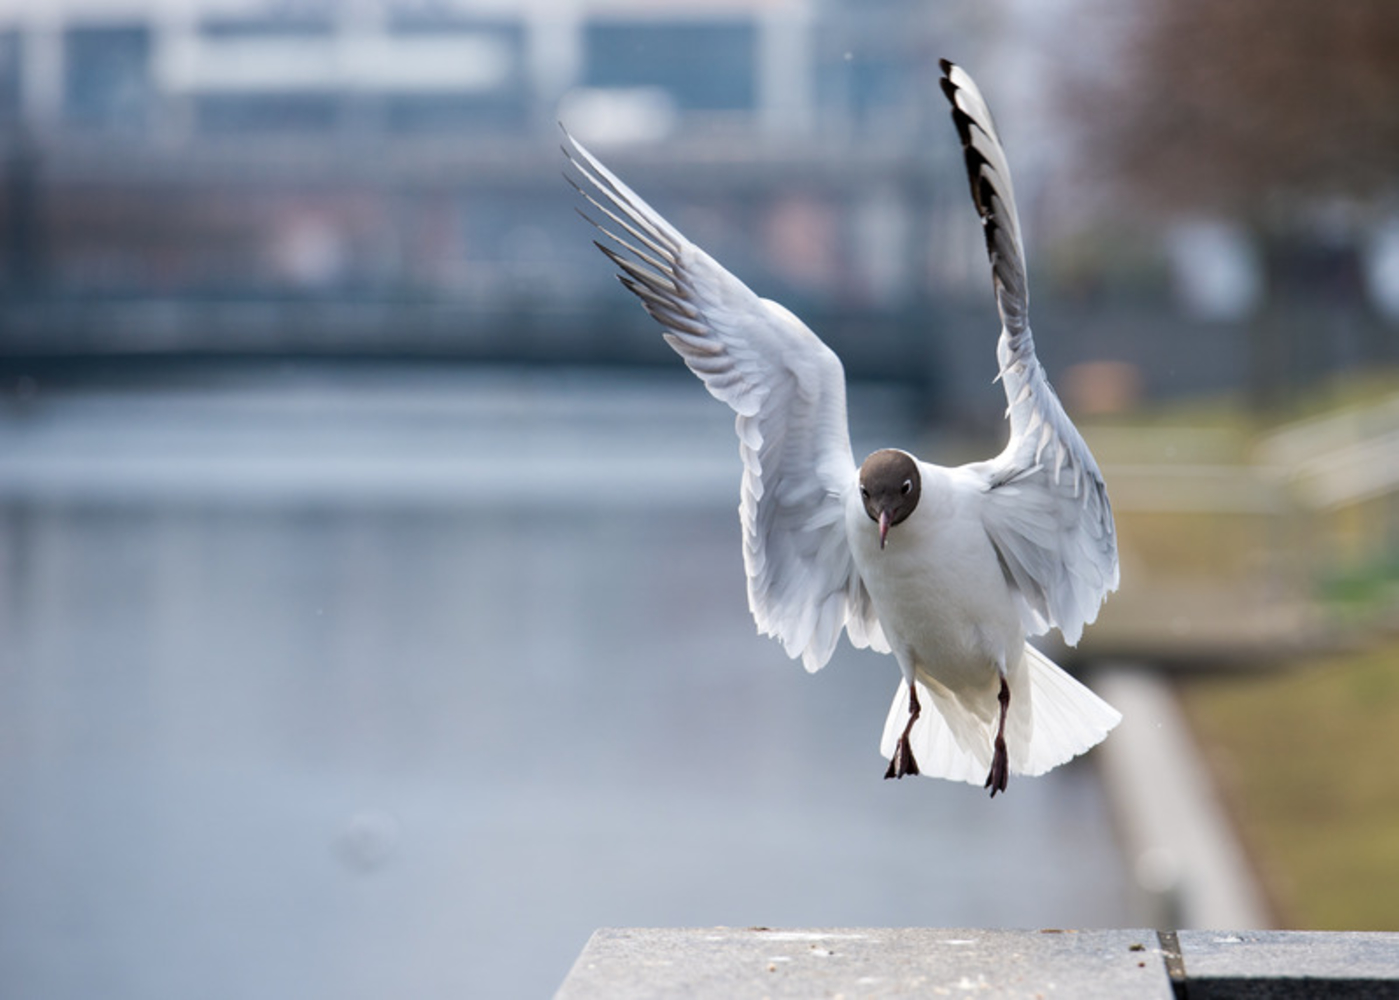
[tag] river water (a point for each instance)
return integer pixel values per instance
(328, 683)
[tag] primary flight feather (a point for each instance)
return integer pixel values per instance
(947, 568)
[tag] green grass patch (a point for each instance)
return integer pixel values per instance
(1308, 759)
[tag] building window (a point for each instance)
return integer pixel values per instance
(704, 66)
(107, 76)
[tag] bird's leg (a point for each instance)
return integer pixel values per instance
(902, 762)
(1000, 762)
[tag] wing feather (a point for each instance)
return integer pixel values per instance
(787, 389)
(1046, 507)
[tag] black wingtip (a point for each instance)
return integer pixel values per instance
(949, 90)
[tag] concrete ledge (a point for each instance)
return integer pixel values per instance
(621, 964)
(1290, 965)
(866, 962)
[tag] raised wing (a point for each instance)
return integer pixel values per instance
(788, 390)
(1046, 510)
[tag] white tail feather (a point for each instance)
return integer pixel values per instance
(1069, 719)
(950, 741)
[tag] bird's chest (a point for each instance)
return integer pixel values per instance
(939, 591)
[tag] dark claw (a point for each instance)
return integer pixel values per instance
(903, 761)
(1000, 769)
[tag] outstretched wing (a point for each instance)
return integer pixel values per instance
(1046, 508)
(788, 390)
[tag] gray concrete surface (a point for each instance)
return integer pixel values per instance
(620, 964)
(867, 962)
(1282, 965)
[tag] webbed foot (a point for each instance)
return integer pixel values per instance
(903, 761)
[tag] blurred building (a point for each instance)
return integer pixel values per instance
(407, 150)
(346, 176)
(405, 66)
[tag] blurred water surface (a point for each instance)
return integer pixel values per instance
(326, 683)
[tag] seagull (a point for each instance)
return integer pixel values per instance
(948, 568)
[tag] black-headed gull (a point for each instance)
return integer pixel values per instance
(947, 568)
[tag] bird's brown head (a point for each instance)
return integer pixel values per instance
(890, 487)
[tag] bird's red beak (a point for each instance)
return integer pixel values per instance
(883, 527)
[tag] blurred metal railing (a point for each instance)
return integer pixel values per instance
(1235, 546)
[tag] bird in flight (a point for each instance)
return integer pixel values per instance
(948, 568)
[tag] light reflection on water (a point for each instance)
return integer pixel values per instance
(302, 738)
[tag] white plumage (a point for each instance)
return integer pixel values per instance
(987, 554)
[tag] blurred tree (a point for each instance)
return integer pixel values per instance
(1280, 114)
(1233, 106)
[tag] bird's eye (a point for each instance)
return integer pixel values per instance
(908, 485)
